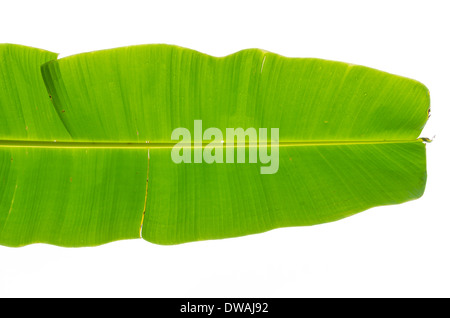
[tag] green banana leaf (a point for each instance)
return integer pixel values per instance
(86, 143)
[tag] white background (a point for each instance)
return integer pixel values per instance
(393, 251)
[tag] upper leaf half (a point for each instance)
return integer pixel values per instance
(142, 93)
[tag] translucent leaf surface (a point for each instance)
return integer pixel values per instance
(92, 163)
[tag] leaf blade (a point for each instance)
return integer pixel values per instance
(346, 132)
(314, 184)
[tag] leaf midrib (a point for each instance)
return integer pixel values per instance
(163, 145)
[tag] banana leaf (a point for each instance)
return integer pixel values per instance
(86, 143)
